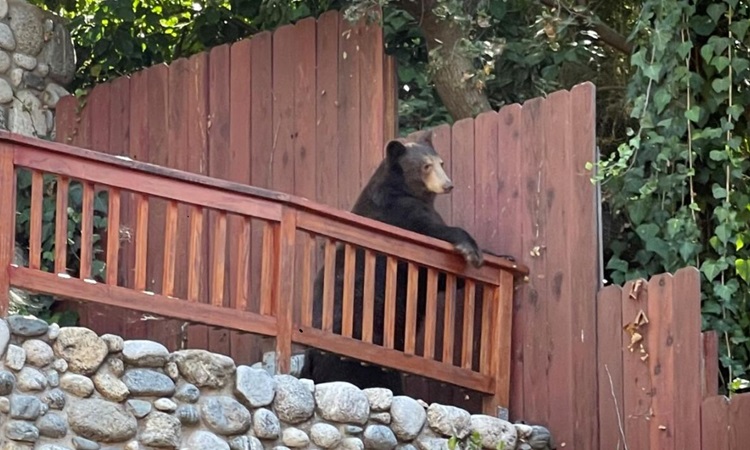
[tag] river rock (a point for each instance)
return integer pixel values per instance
(7, 382)
(4, 329)
(143, 353)
(380, 398)
(30, 379)
(343, 402)
(293, 401)
(245, 443)
(407, 417)
(27, 326)
(265, 424)
(148, 383)
(114, 343)
(494, 431)
(449, 420)
(379, 437)
(254, 387)
(52, 425)
(38, 353)
(101, 420)
(205, 440)
(294, 437)
(138, 408)
(188, 393)
(81, 348)
(325, 435)
(161, 430)
(25, 407)
(77, 385)
(225, 415)
(18, 430)
(203, 368)
(110, 387)
(15, 358)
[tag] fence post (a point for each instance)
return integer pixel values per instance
(497, 404)
(7, 222)
(283, 287)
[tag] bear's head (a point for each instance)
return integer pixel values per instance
(420, 165)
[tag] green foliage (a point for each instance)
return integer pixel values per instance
(118, 37)
(75, 202)
(472, 442)
(681, 178)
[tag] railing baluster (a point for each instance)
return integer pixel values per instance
(87, 228)
(218, 259)
(243, 261)
(449, 321)
(170, 248)
(412, 287)
(268, 258)
(468, 325)
(502, 299)
(368, 303)
(113, 235)
(195, 253)
(141, 241)
(489, 303)
(389, 332)
(35, 220)
(61, 225)
(329, 278)
(430, 314)
(306, 290)
(285, 246)
(347, 312)
(7, 222)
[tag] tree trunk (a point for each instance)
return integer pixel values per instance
(460, 96)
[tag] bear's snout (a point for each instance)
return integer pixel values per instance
(447, 187)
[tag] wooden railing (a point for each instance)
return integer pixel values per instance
(272, 240)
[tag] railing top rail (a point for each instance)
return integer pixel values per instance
(297, 202)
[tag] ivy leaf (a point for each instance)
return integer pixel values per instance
(716, 10)
(652, 71)
(720, 84)
(711, 307)
(710, 269)
(647, 231)
(723, 232)
(739, 28)
(661, 99)
(617, 264)
(707, 52)
(702, 25)
(720, 62)
(742, 267)
(693, 114)
(717, 155)
(739, 243)
(718, 191)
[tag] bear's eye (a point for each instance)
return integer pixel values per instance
(426, 167)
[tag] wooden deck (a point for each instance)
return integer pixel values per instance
(287, 229)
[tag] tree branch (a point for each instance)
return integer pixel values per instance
(606, 34)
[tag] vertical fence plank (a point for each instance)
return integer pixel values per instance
(710, 363)
(119, 206)
(262, 139)
(441, 141)
(282, 158)
(739, 431)
(536, 342)
(686, 338)
(349, 151)
(513, 225)
(196, 94)
(7, 222)
(219, 163)
(326, 138)
(161, 330)
(715, 424)
(141, 242)
(372, 101)
(609, 367)
(557, 171)
(66, 119)
(137, 149)
(170, 250)
(637, 391)
(239, 170)
(585, 267)
(660, 340)
(390, 87)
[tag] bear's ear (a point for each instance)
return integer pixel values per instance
(395, 150)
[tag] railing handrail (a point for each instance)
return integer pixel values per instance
(298, 202)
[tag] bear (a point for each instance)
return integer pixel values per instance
(401, 192)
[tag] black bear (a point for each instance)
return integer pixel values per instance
(402, 193)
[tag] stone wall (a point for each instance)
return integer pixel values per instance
(37, 61)
(68, 388)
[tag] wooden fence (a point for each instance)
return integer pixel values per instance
(317, 125)
(285, 275)
(658, 374)
(304, 110)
